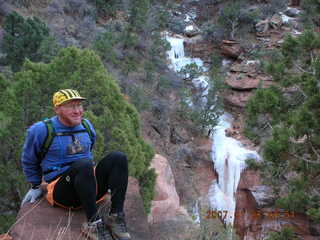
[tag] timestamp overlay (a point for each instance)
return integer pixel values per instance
(254, 214)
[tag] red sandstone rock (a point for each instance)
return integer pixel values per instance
(252, 222)
(166, 203)
(245, 76)
(197, 47)
(237, 98)
(249, 179)
(203, 177)
(242, 82)
(5, 237)
(232, 50)
(276, 21)
(41, 221)
(295, 3)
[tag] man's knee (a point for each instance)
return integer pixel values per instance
(82, 165)
(118, 158)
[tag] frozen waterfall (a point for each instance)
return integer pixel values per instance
(228, 154)
(229, 157)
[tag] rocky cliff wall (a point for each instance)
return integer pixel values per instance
(256, 215)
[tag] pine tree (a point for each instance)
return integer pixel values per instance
(22, 39)
(294, 119)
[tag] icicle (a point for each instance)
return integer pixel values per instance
(229, 160)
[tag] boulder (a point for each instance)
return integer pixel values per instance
(168, 220)
(246, 82)
(166, 203)
(262, 26)
(242, 82)
(231, 49)
(236, 98)
(194, 40)
(292, 12)
(249, 179)
(5, 237)
(242, 68)
(276, 21)
(263, 195)
(192, 30)
(39, 220)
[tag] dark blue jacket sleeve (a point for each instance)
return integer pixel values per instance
(31, 165)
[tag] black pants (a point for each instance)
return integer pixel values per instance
(81, 186)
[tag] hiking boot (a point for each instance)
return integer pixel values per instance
(96, 231)
(117, 226)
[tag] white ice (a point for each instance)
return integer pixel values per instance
(229, 157)
(228, 154)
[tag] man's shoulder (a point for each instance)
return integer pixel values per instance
(37, 130)
(40, 126)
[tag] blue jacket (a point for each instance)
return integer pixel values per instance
(57, 159)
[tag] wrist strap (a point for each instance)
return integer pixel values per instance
(35, 186)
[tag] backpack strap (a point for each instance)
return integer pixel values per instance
(51, 134)
(87, 127)
(49, 138)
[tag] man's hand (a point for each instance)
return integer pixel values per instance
(32, 195)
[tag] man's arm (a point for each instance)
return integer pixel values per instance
(31, 164)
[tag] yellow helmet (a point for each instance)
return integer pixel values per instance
(65, 95)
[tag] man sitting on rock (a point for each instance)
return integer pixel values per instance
(59, 150)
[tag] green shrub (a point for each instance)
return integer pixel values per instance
(311, 13)
(138, 14)
(234, 16)
(298, 199)
(293, 117)
(147, 183)
(22, 39)
(276, 147)
(139, 98)
(253, 164)
(286, 233)
(314, 213)
(105, 45)
(106, 8)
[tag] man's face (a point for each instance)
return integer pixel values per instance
(70, 113)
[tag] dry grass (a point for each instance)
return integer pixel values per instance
(61, 231)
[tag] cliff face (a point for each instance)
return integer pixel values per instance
(256, 215)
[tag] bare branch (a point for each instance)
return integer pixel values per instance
(315, 151)
(302, 70)
(305, 159)
(315, 192)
